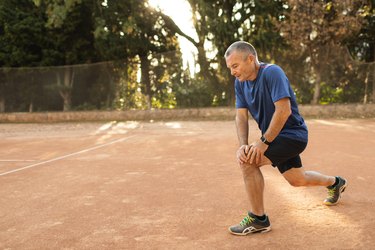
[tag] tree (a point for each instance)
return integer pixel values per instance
(218, 23)
(123, 30)
(27, 41)
(71, 42)
(314, 27)
(362, 47)
(132, 29)
(21, 44)
(250, 21)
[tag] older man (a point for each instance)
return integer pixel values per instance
(264, 91)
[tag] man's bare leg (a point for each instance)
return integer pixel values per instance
(336, 185)
(299, 177)
(256, 220)
(254, 185)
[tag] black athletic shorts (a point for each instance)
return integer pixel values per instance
(284, 153)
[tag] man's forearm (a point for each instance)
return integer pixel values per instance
(278, 121)
(242, 130)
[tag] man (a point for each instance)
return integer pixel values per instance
(264, 91)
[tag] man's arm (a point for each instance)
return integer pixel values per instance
(282, 112)
(242, 124)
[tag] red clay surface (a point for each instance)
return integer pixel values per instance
(174, 185)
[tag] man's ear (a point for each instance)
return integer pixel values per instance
(250, 58)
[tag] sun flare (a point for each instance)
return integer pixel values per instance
(180, 12)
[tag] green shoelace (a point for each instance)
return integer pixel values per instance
(331, 192)
(247, 220)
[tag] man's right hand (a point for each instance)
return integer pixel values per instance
(243, 154)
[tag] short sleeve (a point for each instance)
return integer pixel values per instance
(277, 83)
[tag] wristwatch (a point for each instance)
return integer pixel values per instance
(264, 140)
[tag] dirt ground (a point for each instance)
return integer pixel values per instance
(175, 185)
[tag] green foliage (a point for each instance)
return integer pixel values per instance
(309, 39)
(57, 10)
(362, 47)
(220, 23)
(330, 94)
(318, 30)
(84, 31)
(193, 93)
(21, 33)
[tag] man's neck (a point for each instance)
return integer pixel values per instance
(257, 67)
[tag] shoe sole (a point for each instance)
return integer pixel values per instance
(262, 230)
(342, 189)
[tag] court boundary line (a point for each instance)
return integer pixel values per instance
(67, 156)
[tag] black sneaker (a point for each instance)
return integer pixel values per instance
(334, 193)
(251, 224)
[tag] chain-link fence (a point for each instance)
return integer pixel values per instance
(159, 81)
(85, 86)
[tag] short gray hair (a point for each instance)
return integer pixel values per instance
(242, 47)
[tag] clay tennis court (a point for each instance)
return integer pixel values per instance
(174, 185)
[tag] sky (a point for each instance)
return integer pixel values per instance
(180, 12)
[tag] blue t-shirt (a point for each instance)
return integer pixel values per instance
(259, 96)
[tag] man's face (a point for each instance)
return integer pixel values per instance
(241, 68)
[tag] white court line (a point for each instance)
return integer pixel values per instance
(66, 156)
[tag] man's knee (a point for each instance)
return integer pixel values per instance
(296, 177)
(248, 169)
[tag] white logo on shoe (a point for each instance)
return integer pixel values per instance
(250, 229)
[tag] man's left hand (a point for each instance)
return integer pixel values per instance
(256, 151)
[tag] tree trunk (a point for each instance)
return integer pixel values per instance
(365, 97)
(67, 102)
(31, 107)
(68, 84)
(65, 88)
(316, 95)
(145, 79)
